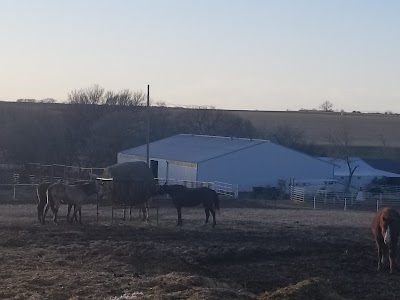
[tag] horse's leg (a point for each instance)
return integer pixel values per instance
(40, 208)
(69, 211)
(44, 213)
(75, 217)
(207, 215)
(392, 254)
(179, 209)
(213, 215)
(379, 245)
(80, 214)
(145, 212)
(55, 215)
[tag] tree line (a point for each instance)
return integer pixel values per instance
(94, 125)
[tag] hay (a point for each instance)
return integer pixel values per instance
(310, 289)
(185, 286)
(133, 183)
(137, 170)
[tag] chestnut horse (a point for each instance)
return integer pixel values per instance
(386, 228)
(186, 197)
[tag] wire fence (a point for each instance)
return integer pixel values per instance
(325, 199)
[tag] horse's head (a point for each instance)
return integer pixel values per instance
(101, 189)
(162, 189)
(386, 231)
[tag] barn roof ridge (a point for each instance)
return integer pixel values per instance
(196, 150)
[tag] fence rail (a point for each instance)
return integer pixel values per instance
(331, 199)
(20, 191)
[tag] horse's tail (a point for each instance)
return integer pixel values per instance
(216, 201)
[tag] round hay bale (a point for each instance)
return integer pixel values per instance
(136, 170)
(133, 182)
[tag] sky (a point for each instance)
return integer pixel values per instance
(229, 54)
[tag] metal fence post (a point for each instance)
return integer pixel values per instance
(377, 204)
(97, 206)
(345, 204)
(14, 193)
(314, 202)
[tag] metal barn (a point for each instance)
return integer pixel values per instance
(245, 162)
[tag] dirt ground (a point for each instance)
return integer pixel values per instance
(250, 252)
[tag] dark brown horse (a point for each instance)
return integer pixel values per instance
(186, 197)
(42, 200)
(386, 228)
(73, 195)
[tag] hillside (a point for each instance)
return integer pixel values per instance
(366, 130)
(83, 133)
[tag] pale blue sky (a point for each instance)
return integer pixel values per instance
(266, 55)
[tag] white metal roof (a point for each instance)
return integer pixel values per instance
(193, 148)
(363, 168)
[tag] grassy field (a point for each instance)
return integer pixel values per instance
(253, 253)
(365, 129)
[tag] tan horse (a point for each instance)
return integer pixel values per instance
(42, 200)
(73, 195)
(386, 227)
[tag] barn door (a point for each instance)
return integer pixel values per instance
(154, 167)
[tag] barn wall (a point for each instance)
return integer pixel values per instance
(166, 169)
(182, 171)
(121, 158)
(261, 165)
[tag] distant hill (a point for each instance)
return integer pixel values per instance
(371, 135)
(366, 130)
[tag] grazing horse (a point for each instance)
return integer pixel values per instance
(386, 227)
(42, 200)
(186, 197)
(73, 195)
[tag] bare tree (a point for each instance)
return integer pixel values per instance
(210, 121)
(125, 98)
(90, 95)
(341, 142)
(326, 106)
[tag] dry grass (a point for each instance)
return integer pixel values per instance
(310, 289)
(252, 253)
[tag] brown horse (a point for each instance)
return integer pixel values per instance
(42, 200)
(386, 228)
(186, 197)
(73, 195)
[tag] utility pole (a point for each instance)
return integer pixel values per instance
(148, 126)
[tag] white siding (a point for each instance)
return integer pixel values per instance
(162, 168)
(121, 158)
(166, 169)
(262, 165)
(182, 172)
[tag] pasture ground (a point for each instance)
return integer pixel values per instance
(250, 252)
